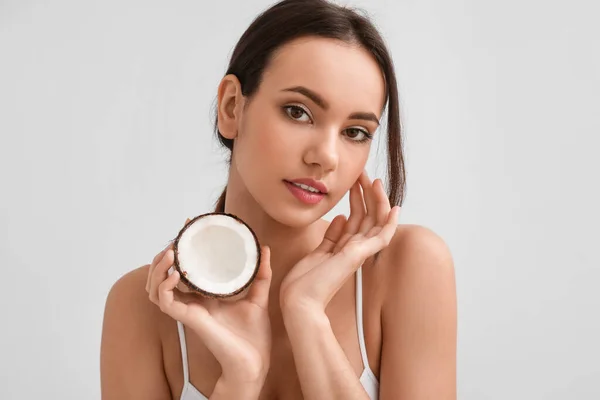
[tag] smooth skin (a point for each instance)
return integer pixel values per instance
(294, 334)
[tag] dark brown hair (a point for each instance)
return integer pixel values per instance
(292, 19)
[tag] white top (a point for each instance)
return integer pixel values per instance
(367, 378)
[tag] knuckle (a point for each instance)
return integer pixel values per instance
(163, 307)
(161, 303)
(160, 289)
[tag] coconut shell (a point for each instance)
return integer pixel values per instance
(183, 274)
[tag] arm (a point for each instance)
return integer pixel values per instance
(230, 390)
(237, 333)
(320, 361)
(131, 365)
(307, 289)
(418, 359)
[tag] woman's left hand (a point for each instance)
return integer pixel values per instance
(315, 279)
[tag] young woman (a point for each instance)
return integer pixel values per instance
(359, 308)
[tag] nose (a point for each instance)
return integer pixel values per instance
(323, 150)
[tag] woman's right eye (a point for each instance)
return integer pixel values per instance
(296, 113)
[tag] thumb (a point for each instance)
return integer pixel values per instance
(259, 289)
(180, 286)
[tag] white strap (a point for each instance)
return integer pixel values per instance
(183, 347)
(359, 318)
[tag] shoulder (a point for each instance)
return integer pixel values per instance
(418, 247)
(419, 316)
(419, 235)
(418, 266)
(131, 344)
(128, 294)
(128, 305)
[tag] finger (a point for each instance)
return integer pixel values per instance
(166, 298)
(155, 261)
(391, 218)
(258, 293)
(330, 276)
(360, 250)
(333, 234)
(183, 288)
(357, 213)
(357, 208)
(382, 203)
(377, 241)
(160, 274)
(328, 280)
(368, 193)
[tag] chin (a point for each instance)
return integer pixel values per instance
(286, 213)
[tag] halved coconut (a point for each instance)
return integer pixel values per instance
(217, 255)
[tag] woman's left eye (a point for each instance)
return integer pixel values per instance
(355, 134)
(296, 112)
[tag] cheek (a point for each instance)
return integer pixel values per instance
(351, 164)
(273, 140)
(353, 160)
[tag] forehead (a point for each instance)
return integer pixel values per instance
(345, 75)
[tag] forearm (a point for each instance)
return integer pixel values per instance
(321, 363)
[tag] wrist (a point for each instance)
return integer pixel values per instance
(305, 318)
(228, 389)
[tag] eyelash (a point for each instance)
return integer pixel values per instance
(367, 135)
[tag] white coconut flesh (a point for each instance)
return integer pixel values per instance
(218, 253)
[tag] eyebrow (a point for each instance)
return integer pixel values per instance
(321, 102)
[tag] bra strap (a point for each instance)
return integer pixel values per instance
(183, 347)
(359, 318)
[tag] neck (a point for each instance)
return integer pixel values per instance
(288, 244)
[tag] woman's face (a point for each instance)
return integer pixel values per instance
(313, 117)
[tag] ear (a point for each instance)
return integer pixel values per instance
(230, 106)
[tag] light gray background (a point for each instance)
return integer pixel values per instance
(106, 149)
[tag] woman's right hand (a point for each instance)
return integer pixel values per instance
(237, 333)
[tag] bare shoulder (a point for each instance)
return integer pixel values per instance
(418, 316)
(418, 234)
(415, 247)
(128, 299)
(418, 262)
(131, 352)
(129, 286)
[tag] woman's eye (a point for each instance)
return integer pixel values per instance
(296, 113)
(358, 135)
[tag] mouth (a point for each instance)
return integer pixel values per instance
(305, 193)
(305, 187)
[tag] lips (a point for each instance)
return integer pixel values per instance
(320, 186)
(303, 195)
